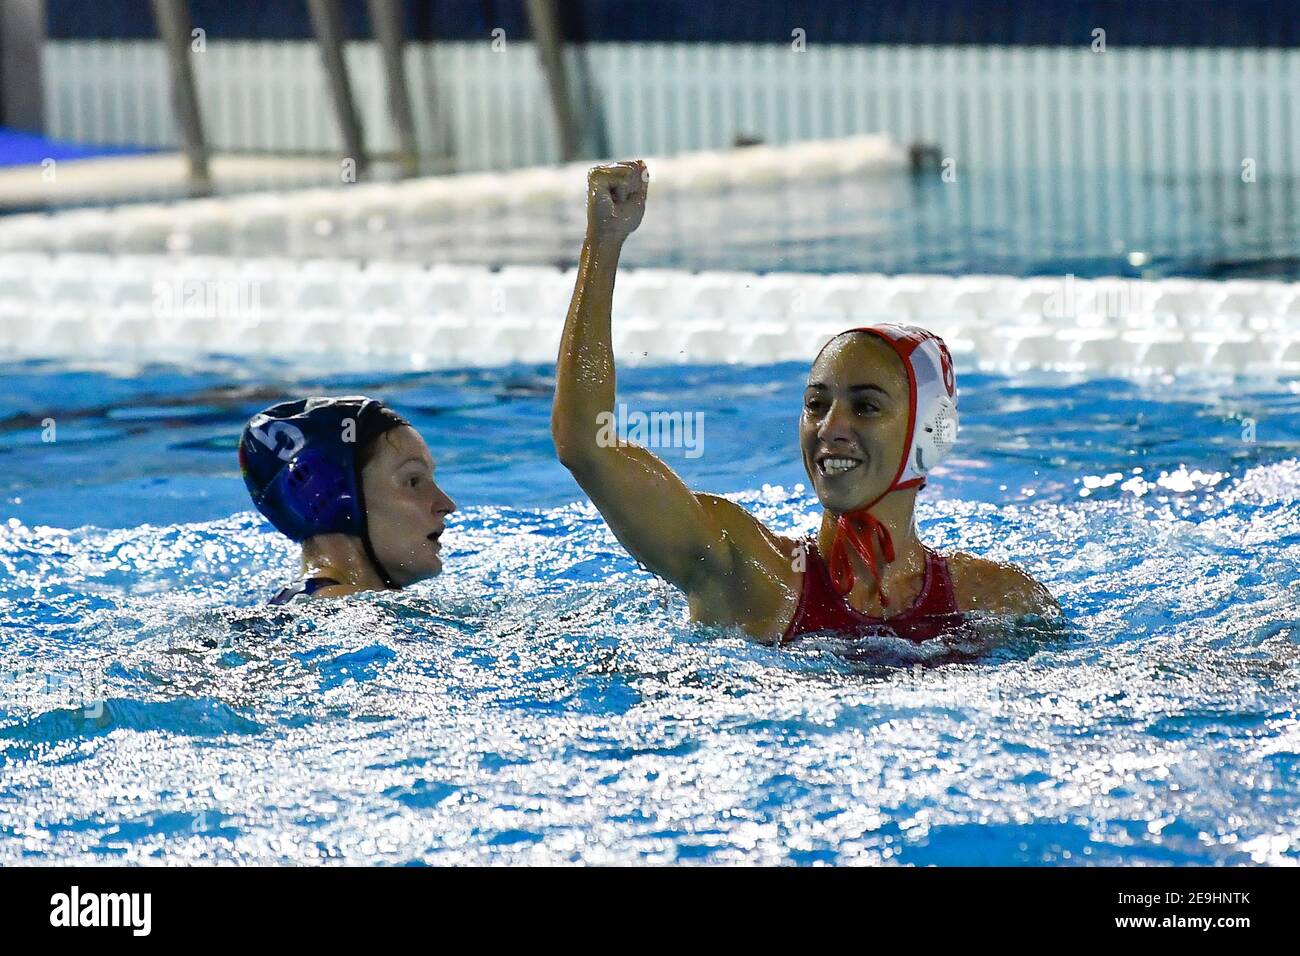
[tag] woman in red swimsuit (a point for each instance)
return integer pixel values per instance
(879, 412)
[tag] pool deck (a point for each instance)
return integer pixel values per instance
(114, 179)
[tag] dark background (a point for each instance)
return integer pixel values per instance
(1218, 23)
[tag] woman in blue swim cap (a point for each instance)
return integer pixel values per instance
(353, 482)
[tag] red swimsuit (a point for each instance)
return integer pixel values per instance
(821, 608)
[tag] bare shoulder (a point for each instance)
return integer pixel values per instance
(744, 529)
(758, 589)
(998, 587)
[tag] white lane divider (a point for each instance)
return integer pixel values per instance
(407, 315)
(375, 220)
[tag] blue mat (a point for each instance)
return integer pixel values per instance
(21, 149)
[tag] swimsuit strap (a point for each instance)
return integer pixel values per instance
(307, 587)
(939, 595)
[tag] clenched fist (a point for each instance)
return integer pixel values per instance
(616, 199)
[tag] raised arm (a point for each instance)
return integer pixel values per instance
(673, 532)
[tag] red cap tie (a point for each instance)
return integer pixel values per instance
(860, 529)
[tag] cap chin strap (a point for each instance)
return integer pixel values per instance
(370, 553)
(859, 530)
(365, 532)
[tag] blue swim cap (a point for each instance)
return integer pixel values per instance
(300, 465)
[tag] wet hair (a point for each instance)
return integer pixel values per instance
(376, 421)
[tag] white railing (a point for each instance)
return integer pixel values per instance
(1165, 111)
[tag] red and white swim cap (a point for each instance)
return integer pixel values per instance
(932, 399)
(932, 430)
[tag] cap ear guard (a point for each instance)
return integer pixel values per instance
(932, 387)
(936, 432)
(318, 493)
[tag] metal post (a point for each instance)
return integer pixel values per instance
(22, 35)
(174, 25)
(327, 19)
(545, 25)
(386, 21)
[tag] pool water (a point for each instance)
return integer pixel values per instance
(545, 700)
(1022, 222)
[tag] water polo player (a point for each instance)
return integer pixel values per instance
(879, 412)
(353, 482)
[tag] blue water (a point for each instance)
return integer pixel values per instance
(546, 701)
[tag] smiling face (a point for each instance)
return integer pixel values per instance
(406, 511)
(854, 427)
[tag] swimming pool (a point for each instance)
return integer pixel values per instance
(544, 701)
(720, 214)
